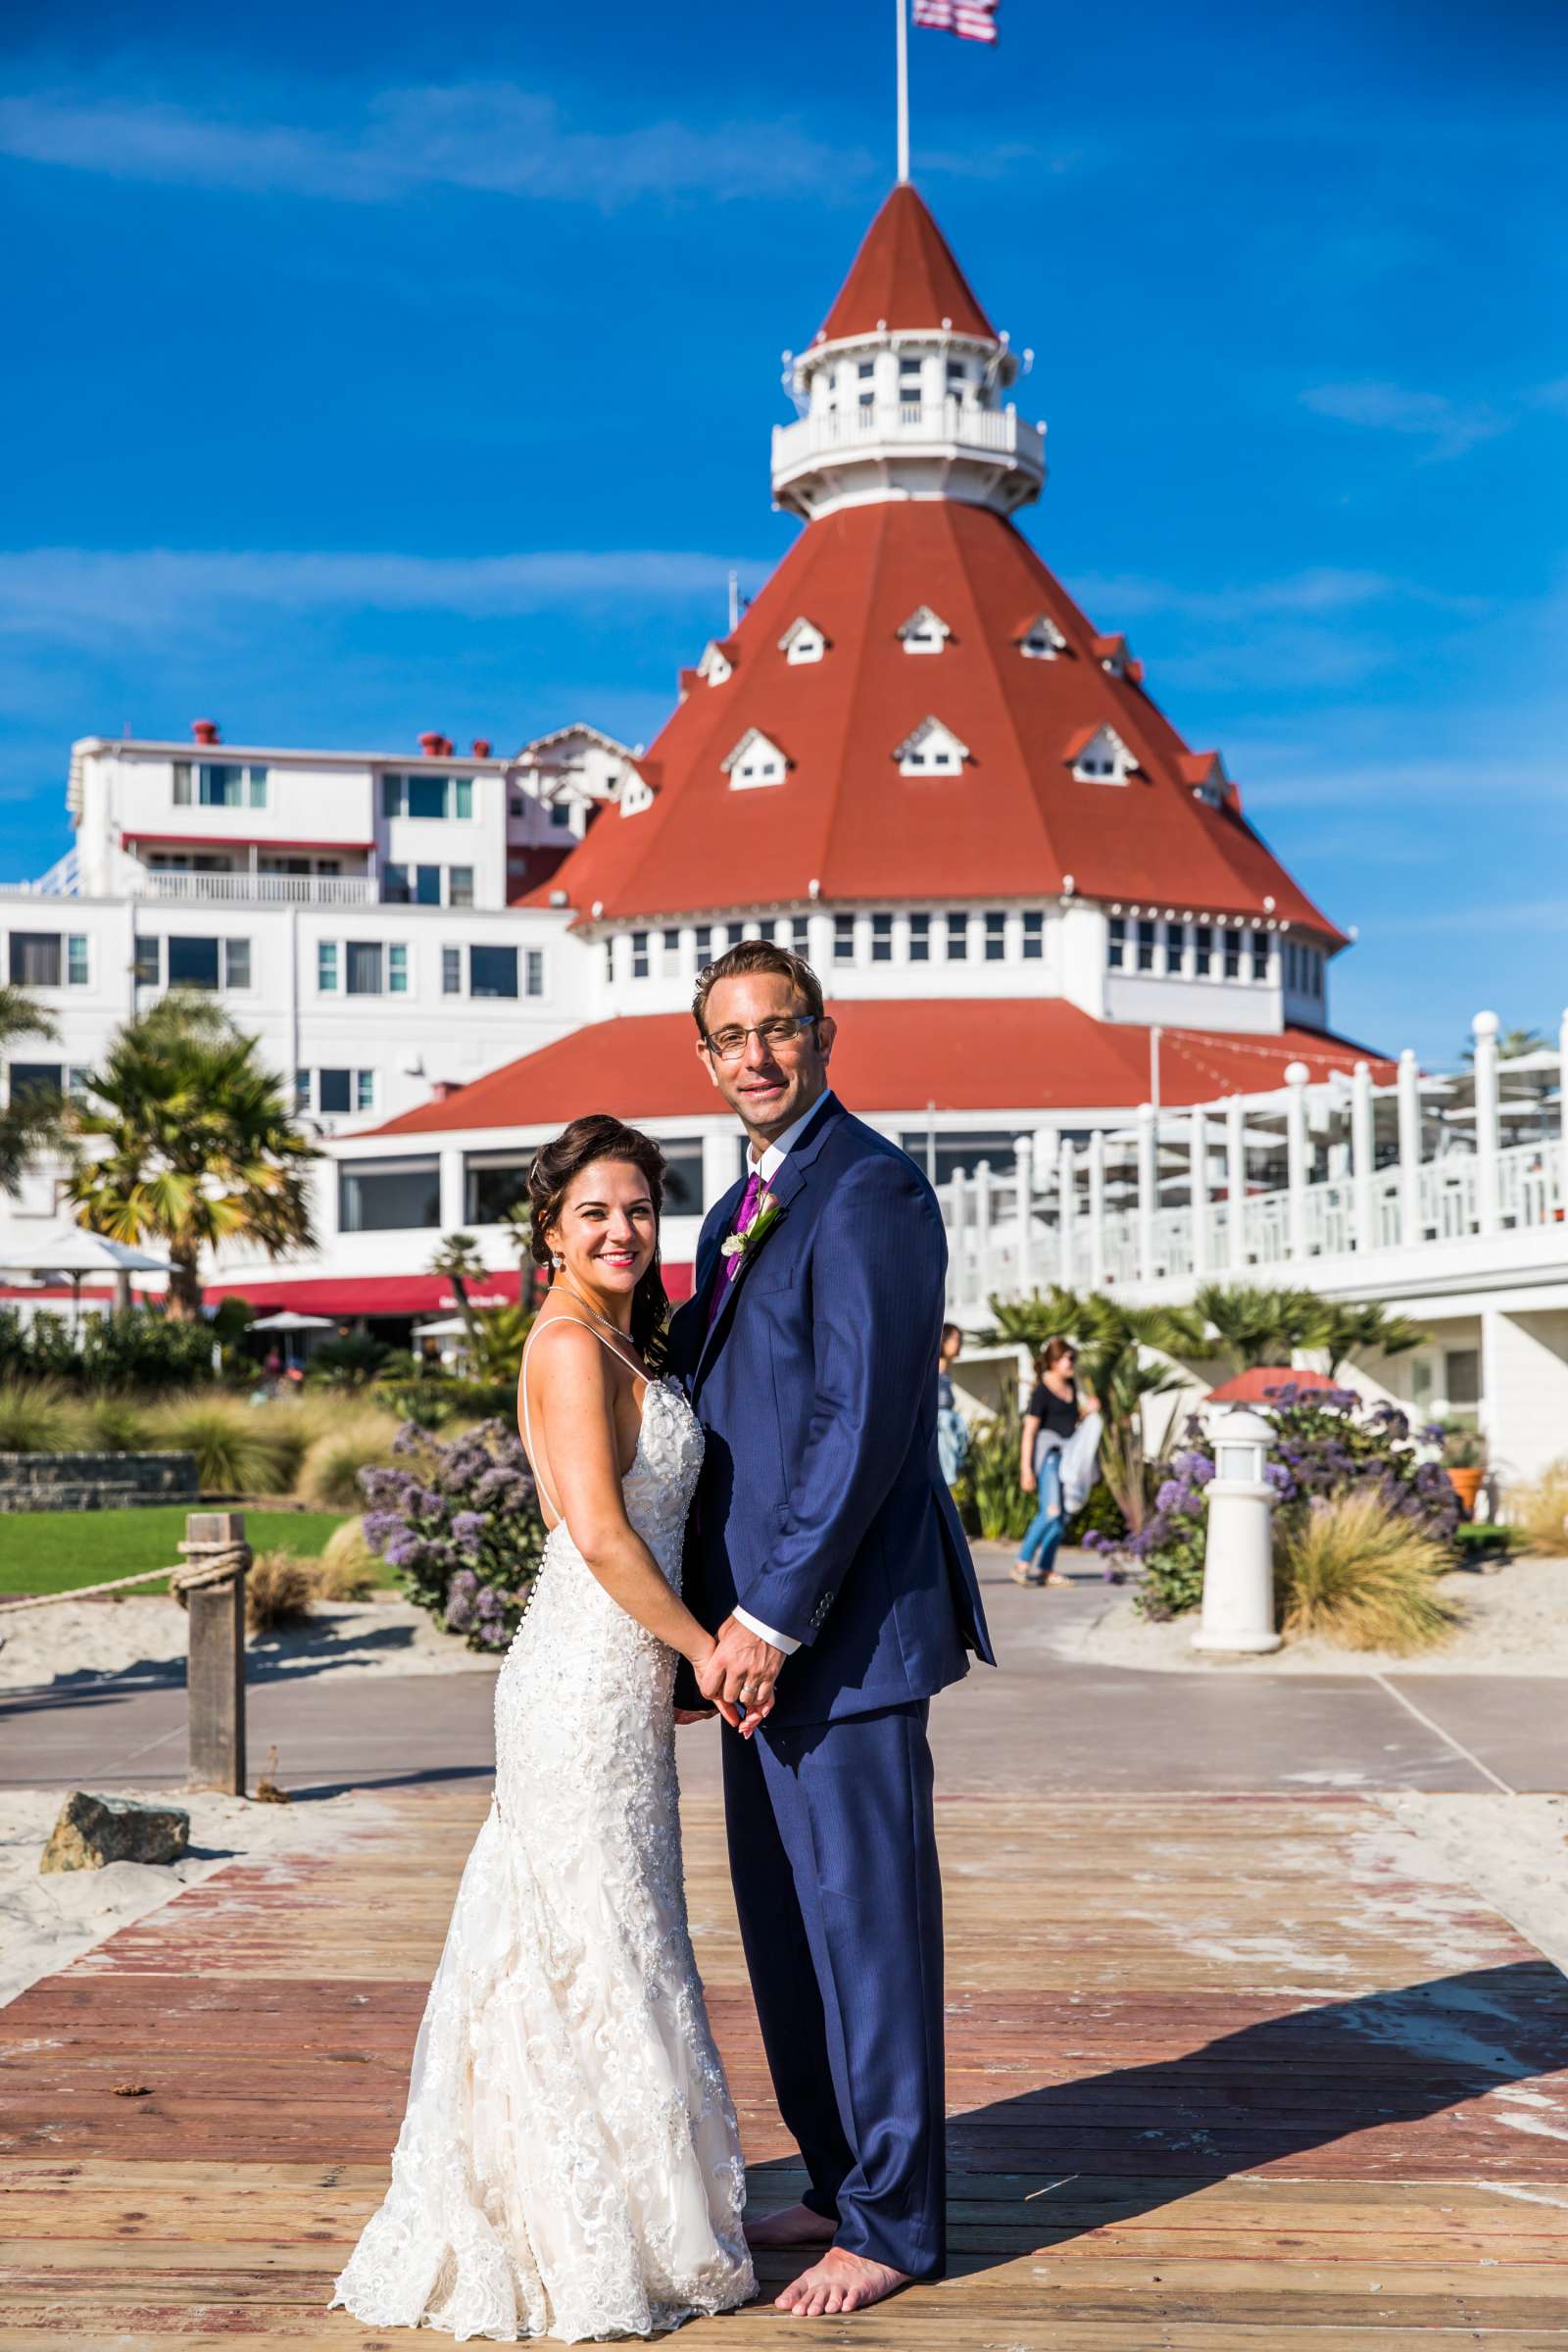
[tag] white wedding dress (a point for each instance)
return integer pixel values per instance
(568, 2163)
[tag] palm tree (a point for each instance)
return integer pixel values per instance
(196, 1145)
(518, 1222)
(32, 1118)
(1511, 1043)
(459, 1260)
(1251, 1324)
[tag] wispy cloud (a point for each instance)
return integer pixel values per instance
(1322, 589)
(494, 137)
(93, 595)
(1446, 427)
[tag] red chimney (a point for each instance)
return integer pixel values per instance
(481, 747)
(446, 747)
(430, 744)
(442, 1090)
(205, 731)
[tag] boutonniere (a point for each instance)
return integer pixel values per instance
(764, 1218)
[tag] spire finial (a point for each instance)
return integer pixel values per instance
(901, 9)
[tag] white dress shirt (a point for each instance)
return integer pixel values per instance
(768, 1166)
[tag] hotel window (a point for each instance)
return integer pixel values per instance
(412, 885)
(1116, 945)
(326, 966)
(881, 939)
(388, 1196)
(683, 1175)
(492, 971)
(220, 784)
(843, 939)
(609, 959)
(533, 971)
(207, 964)
(996, 935)
(639, 957)
(334, 1093)
(1233, 955)
(181, 783)
(703, 939)
(425, 795)
(494, 1182)
(515, 806)
(45, 1081)
(1034, 935)
(1203, 949)
(77, 959)
(452, 971)
(34, 959)
(919, 939)
(1258, 953)
(794, 933)
(958, 938)
(460, 886)
(560, 813)
(236, 963)
(1146, 945)
(370, 968)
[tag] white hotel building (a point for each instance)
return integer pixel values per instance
(1071, 978)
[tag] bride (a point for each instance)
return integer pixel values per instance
(568, 2163)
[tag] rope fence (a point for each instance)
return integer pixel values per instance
(211, 1583)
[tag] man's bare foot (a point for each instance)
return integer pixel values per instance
(796, 2226)
(840, 2282)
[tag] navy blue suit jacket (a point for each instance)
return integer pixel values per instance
(821, 1507)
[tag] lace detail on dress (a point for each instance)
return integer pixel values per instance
(569, 2163)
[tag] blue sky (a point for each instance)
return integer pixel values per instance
(378, 368)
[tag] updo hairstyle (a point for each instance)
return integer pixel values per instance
(556, 1166)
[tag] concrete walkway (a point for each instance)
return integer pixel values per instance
(1041, 1727)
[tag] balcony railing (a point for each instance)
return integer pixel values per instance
(940, 425)
(242, 888)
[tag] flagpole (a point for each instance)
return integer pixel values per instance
(900, 9)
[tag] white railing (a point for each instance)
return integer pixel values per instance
(61, 881)
(255, 890)
(942, 423)
(1283, 1235)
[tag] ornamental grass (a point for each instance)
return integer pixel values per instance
(38, 1417)
(1539, 1511)
(347, 1568)
(1362, 1576)
(354, 1441)
(240, 1449)
(278, 1590)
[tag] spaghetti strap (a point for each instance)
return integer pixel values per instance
(539, 1326)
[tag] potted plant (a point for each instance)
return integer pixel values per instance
(1464, 1459)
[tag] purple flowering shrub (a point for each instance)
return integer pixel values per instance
(459, 1523)
(1327, 1443)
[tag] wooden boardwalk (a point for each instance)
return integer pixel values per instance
(1226, 2075)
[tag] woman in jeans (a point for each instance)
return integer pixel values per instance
(1050, 1419)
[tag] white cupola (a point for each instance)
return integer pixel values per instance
(900, 393)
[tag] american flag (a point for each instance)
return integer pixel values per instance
(971, 20)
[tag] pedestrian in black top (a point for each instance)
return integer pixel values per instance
(1050, 1420)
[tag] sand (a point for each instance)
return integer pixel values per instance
(145, 1636)
(1510, 1850)
(1513, 1622)
(49, 1920)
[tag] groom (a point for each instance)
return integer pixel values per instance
(828, 1558)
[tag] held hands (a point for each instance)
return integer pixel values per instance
(739, 1675)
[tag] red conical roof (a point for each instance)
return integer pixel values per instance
(904, 277)
(1014, 823)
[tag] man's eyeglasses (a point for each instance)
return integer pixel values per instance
(781, 1035)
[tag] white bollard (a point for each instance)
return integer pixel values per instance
(1238, 1613)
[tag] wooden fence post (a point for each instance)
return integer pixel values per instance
(215, 1677)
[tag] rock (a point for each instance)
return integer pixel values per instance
(93, 1831)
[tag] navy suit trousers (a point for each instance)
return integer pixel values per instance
(832, 1845)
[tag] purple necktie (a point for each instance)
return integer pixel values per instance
(730, 1266)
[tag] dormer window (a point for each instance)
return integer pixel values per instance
(933, 750)
(923, 632)
(1204, 771)
(1042, 640)
(803, 641)
(715, 664)
(636, 795)
(755, 761)
(1115, 658)
(1099, 756)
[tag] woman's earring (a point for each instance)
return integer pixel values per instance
(558, 1261)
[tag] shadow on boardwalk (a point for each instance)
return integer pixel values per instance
(1075, 2156)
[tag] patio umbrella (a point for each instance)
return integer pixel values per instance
(71, 1251)
(287, 1319)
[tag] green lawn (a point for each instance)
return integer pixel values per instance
(53, 1551)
